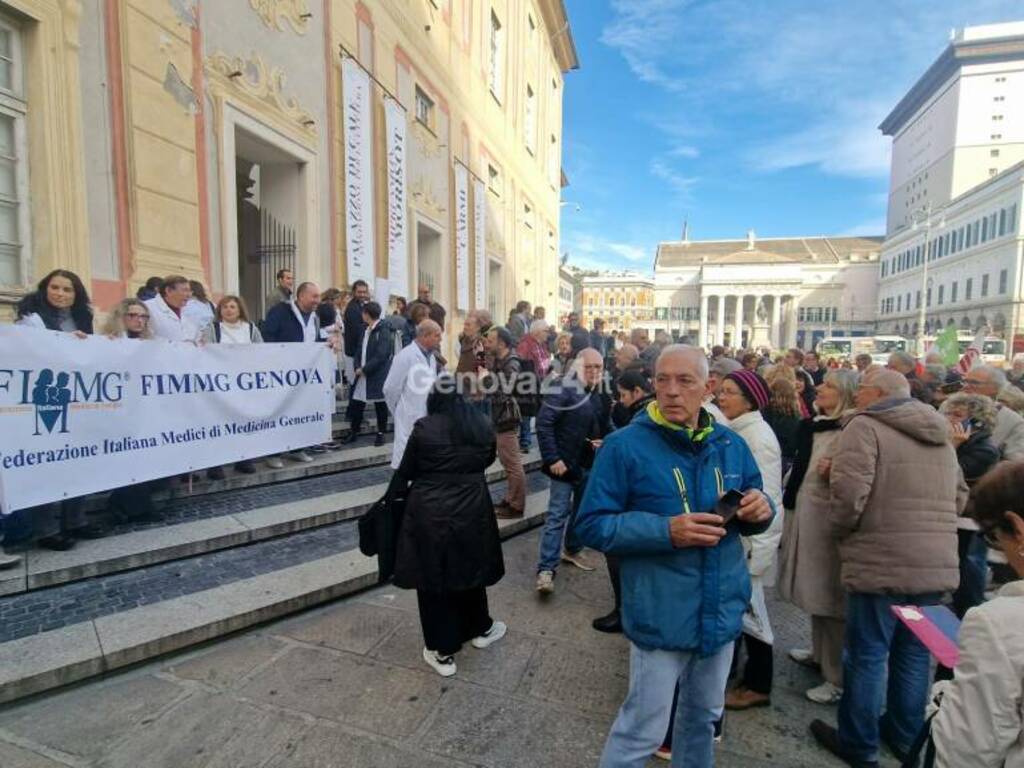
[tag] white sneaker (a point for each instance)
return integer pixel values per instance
(491, 636)
(443, 665)
(826, 693)
(546, 582)
(803, 656)
(577, 559)
(275, 462)
(300, 456)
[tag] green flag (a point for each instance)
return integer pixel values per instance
(947, 345)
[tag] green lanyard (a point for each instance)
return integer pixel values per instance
(681, 484)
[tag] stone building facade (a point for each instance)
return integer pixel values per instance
(207, 137)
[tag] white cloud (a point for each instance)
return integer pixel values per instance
(684, 150)
(874, 227)
(814, 79)
(680, 184)
(604, 253)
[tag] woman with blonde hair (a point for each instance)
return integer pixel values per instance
(783, 415)
(128, 320)
(809, 563)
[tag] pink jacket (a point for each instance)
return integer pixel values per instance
(531, 349)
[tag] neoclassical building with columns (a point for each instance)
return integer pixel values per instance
(777, 292)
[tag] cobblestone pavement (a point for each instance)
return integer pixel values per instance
(42, 610)
(343, 686)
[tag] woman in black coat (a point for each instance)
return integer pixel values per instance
(372, 363)
(449, 550)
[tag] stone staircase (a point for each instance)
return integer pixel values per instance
(228, 554)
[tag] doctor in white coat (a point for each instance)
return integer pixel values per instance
(167, 318)
(409, 383)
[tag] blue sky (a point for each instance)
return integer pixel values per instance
(738, 114)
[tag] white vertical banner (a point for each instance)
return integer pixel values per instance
(480, 243)
(398, 241)
(357, 124)
(462, 236)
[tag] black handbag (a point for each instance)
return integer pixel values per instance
(380, 526)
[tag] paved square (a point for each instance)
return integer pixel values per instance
(344, 686)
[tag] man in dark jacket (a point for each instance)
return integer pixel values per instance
(294, 321)
(353, 319)
(435, 311)
(580, 335)
(372, 363)
(571, 424)
(598, 340)
(504, 372)
(519, 323)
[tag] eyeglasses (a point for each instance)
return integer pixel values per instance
(136, 316)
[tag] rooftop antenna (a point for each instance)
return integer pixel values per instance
(686, 230)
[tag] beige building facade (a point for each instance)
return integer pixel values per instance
(624, 301)
(146, 137)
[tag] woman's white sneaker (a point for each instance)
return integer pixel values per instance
(492, 635)
(826, 693)
(443, 665)
(803, 656)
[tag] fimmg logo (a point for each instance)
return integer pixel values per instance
(52, 393)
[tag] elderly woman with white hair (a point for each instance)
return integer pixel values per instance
(972, 419)
(1016, 375)
(809, 563)
(1008, 434)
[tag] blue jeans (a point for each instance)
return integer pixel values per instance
(973, 572)
(563, 501)
(524, 433)
(875, 638)
(644, 717)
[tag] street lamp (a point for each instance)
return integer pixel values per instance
(925, 214)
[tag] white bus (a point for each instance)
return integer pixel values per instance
(879, 347)
(993, 350)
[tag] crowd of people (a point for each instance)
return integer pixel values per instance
(853, 488)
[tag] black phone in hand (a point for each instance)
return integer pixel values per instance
(728, 505)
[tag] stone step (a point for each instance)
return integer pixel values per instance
(50, 659)
(133, 549)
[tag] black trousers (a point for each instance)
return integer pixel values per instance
(449, 619)
(758, 671)
(355, 417)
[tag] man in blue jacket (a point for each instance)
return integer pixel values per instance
(650, 500)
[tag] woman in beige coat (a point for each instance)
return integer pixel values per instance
(809, 563)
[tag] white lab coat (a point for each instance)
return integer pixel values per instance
(406, 388)
(165, 324)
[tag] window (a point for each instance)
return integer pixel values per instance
(497, 53)
(1000, 79)
(996, 136)
(494, 180)
(997, 118)
(801, 315)
(992, 172)
(554, 162)
(530, 121)
(984, 230)
(14, 219)
(984, 286)
(917, 301)
(1002, 222)
(1011, 219)
(952, 292)
(942, 294)
(424, 108)
(884, 270)
(993, 153)
(968, 288)
(998, 98)
(1003, 280)
(929, 297)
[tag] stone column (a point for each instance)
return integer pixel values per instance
(776, 329)
(794, 313)
(738, 333)
(719, 320)
(702, 334)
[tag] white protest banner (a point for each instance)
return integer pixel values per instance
(480, 243)
(80, 416)
(398, 243)
(462, 236)
(358, 132)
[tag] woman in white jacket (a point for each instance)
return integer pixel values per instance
(741, 396)
(979, 720)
